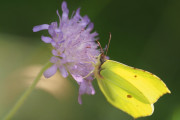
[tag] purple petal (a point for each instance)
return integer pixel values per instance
(40, 27)
(88, 87)
(46, 39)
(50, 71)
(58, 15)
(54, 44)
(77, 78)
(79, 99)
(52, 28)
(85, 87)
(94, 34)
(54, 52)
(65, 11)
(85, 21)
(77, 16)
(90, 27)
(63, 71)
(54, 59)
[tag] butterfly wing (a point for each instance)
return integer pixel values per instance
(132, 90)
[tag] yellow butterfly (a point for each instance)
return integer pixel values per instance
(129, 89)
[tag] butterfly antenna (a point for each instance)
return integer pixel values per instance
(102, 51)
(108, 43)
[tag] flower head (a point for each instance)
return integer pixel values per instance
(73, 47)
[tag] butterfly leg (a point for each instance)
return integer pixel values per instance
(88, 74)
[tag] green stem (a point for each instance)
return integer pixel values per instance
(26, 94)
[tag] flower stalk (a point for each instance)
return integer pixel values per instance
(21, 100)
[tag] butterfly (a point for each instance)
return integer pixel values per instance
(129, 89)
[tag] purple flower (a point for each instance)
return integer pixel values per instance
(74, 48)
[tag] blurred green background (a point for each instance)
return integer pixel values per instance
(145, 34)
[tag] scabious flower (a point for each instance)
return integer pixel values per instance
(74, 48)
